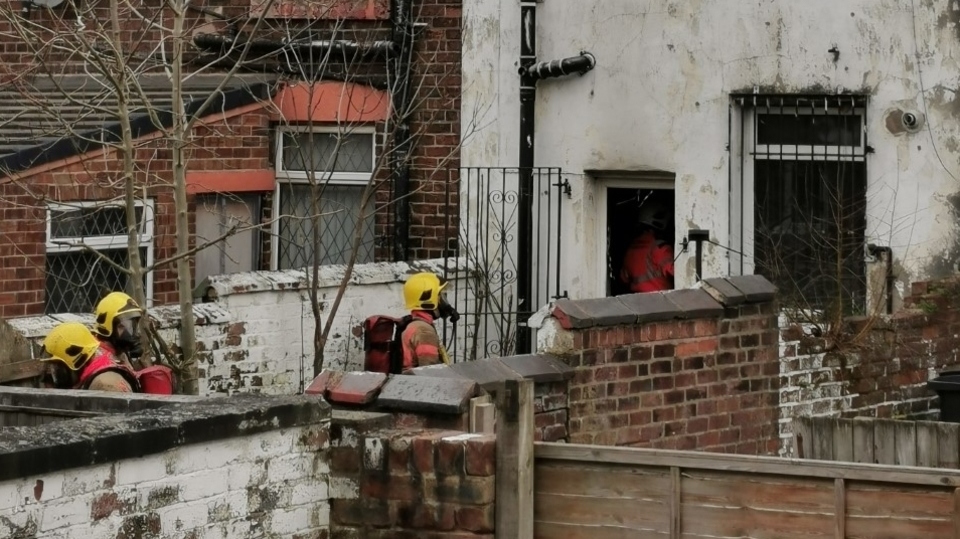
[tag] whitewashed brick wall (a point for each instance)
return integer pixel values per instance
(272, 484)
(257, 336)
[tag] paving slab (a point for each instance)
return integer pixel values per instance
(323, 380)
(356, 387)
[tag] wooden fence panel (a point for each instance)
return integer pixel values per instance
(720, 504)
(931, 444)
(825, 427)
(863, 440)
(843, 441)
(878, 511)
(905, 443)
(928, 446)
(884, 441)
(803, 437)
(591, 492)
(600, 502)
(948, 445)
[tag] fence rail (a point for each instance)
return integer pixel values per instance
(931, 444)
(601, 492)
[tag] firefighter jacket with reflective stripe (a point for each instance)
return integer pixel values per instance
(648, 264)
(421, 343)
(103, 373)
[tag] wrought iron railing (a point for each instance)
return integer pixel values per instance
(484, 229)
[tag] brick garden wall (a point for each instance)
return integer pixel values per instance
(685, 369)
(257, 336)
(416, 483)
(879, 367)
(242, 468)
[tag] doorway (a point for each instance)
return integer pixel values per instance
(623, 206)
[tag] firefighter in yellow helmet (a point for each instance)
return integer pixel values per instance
(118, 326)
(423, 296)
(79, 361)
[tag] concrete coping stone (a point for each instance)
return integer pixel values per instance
(705, 302)
(76, 443)
(541, 368)
(651, 307)
(89, 401)
(489, 373)
(438, 371)
(694, 303)
(428, 394)
(329, 276)
(755, 288)
(724, 292)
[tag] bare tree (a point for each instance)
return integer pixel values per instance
(119, 46)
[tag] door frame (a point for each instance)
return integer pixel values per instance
(621, 180)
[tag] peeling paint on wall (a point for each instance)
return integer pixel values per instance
(659, 98)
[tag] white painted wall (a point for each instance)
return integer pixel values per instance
(258, 334)
(659, 99)
(201, 490)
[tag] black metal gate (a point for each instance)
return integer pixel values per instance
(485, 230)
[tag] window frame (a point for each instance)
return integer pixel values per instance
(338, 178)
(744, 151)
(71, 244)
(283, 176)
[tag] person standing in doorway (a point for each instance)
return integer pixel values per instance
(648, 263)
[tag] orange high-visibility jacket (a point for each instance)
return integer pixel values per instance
(648, 264)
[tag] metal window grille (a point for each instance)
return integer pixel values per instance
(804, 160)
(322, 176)
(83, 238)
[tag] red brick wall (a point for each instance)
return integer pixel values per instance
(436, 128)
(685, 381)
(240, 142)
(550, 408)
(412, 483)
(881, 365)
(705, 384)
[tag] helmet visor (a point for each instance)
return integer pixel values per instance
(128, 327)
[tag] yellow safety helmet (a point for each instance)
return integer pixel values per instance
(112, 306)
(71, 343)
(422, 292)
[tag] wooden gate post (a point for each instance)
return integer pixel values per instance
(514, 504)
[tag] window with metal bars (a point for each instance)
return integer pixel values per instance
(798, 204)
(321, 177)
(85, 249)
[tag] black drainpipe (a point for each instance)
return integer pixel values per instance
(530, 73)
(401, 15)
(348, 49)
